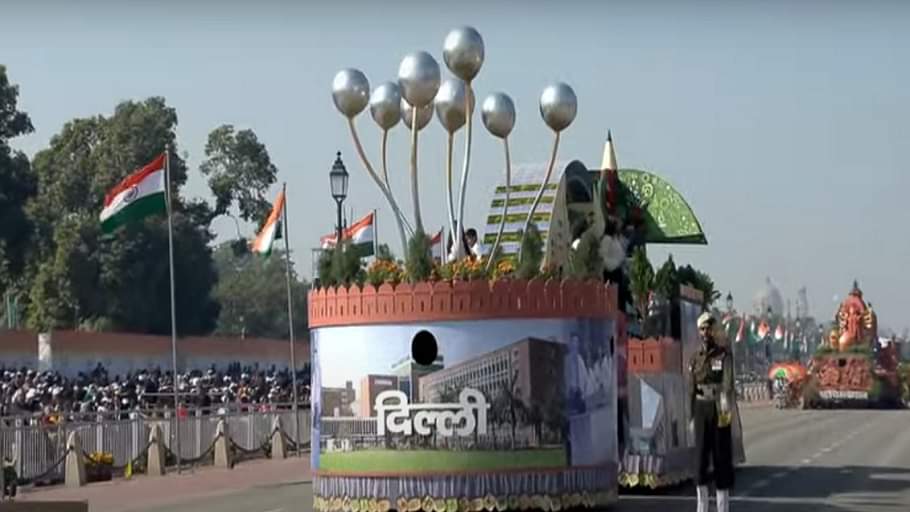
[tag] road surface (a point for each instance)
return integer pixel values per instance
(826, 461)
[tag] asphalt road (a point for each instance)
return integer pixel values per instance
(827, 461)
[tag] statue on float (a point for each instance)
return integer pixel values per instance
(856, 323)
(854, 368)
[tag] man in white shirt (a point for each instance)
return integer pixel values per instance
(474, 243)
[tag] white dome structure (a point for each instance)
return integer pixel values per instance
(768, 297)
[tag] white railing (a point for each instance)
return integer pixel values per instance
(36, 447)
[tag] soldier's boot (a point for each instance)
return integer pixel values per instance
(703, 498)
(723, 500)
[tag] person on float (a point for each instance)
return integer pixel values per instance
(711, 395)
(475, 249)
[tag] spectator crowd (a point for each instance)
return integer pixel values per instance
(55, 397)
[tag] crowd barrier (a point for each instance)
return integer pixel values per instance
(39, 450)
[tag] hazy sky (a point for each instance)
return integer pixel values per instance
(782, 124)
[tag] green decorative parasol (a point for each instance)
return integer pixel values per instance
(668, 217)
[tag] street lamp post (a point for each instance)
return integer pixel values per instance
(338, 179)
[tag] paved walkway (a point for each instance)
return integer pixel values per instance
(143, 493)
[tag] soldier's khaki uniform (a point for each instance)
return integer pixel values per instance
(712, 392)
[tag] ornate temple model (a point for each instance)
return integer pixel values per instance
(853, 369)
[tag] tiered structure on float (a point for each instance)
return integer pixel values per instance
(518, 411)
(853, 370)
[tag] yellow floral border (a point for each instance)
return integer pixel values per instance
(489, 503)
(650, 480)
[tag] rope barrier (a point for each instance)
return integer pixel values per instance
(47, 472)
(193, 461)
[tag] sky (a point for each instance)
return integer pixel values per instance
(783, 124)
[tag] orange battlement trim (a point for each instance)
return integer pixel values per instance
(663, 355)
(459, 301)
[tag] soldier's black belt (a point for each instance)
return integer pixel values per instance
(706, 393)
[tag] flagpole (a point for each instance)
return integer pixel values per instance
(375, 235)
(287, 271)
(170, 244)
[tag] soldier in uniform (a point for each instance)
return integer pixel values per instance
(711, 394)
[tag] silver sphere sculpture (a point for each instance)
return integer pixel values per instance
(558, 106)
(498, 113)
(424, 114)
(450, 104)
(385, 105)
(350, 92)
(418, 77)
(463, 52)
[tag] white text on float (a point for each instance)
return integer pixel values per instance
(393, 414)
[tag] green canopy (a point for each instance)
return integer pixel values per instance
(668, 217)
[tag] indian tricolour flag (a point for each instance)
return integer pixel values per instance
(141, 194)
(362, 235)
(271, 231)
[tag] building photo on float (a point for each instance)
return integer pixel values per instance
(476, 396)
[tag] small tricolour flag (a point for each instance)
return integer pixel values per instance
(139, 195)
(361, 234)
(763, 329)
(271, 230)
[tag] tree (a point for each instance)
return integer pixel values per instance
(324, 268)
(531, 254)
(419, 264)
(252, 292)
(17, 185)
(384, 253)
(120, 279)
(666, 282)
(510, 399)
(240, 171)
(587, 261)
(700, 281)
(641, 280)
(347, 267)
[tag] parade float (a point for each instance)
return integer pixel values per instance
(853, 369)
(499, 382)
(469, 385)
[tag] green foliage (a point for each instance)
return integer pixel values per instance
(240, 171)
(383, 253)
(419, 264)
(346, 266)
(586, 261)
(140, 285)
(252, 291)
(666, 281)
(531, 254)
(641, 279)
(122, 279)
(324, 268)
(700, 281)
(17, 183)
